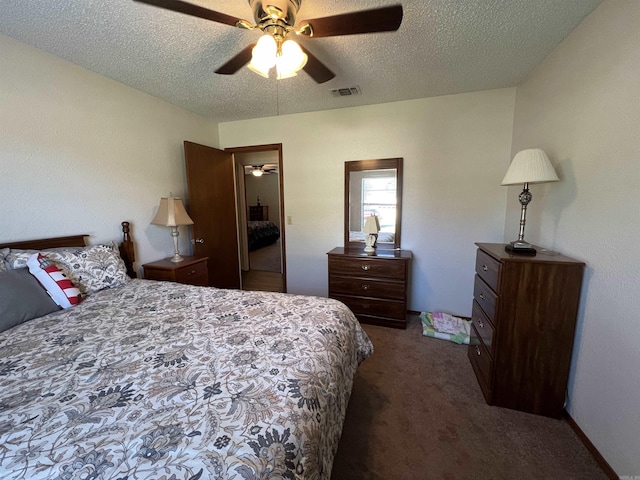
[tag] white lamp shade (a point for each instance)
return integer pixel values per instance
(371, 225)
(530, 166)
(171, 213)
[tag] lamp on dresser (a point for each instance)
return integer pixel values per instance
(171, 213)
(528, 166)
(371, 228)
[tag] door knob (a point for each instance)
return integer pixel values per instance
(197, 240)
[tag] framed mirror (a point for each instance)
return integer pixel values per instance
(373, 187)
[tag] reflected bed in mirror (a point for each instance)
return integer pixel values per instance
(373, 187)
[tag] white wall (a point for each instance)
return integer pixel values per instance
(455, 151)
(582, 105)
(80, 153)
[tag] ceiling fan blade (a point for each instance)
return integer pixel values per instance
(237, 62)
(194, 10)
(385, 19)
(316, 69)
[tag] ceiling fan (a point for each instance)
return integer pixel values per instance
(277, 20)
(259, 170)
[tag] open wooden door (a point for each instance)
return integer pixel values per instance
(212, 206)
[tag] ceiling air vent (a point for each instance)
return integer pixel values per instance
(346, 91)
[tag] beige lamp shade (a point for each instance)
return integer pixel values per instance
(171, 213)
(530, 166)
(371, 225)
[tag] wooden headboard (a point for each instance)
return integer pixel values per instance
(127, 251)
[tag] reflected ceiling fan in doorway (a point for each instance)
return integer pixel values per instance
(259, 170)
(277, 20)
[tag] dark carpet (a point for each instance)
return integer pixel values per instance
(417, 412)
(266, 259)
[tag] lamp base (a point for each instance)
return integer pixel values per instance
(370, 243)
(177, 258)
(520, 248)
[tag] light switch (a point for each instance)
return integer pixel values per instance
(289, 221)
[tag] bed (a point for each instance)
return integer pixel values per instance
(160, 380)
(262, 234)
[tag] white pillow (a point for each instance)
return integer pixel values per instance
(57, 284)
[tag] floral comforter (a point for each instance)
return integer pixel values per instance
(262, 233)
(157, 380)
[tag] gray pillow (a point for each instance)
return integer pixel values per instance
(22, 298)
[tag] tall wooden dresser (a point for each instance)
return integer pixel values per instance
(373, 286)
(523, 322)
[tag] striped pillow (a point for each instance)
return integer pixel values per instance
(56, 283)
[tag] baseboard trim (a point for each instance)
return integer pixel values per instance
(591, 447)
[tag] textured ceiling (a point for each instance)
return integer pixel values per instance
(442, 47)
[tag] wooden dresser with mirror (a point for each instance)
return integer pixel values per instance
(373, 285)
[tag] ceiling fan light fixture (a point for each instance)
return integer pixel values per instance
(277, 19)
(288, 58)
(257, 172)
(291, 60)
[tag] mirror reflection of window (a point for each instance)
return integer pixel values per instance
(373, 192)
(379, 198)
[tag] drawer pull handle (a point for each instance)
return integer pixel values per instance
(192, 272)
(483, 296)
(366, 267)
(365, 306)
(481, 323)
(484, 268)
(365, 286)
(478, 350)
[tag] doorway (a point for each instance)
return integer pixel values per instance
(260, 208)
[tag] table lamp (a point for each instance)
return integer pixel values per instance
(371, 227)
(171, 213)
(528, 166)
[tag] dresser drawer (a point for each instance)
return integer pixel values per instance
(485, 297)
(366, 287)
(483, 327)
(373, 306)
(488, 268)
(480, 360)
(368, 267)
(195, 274)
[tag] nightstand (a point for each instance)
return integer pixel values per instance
(192, 271)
